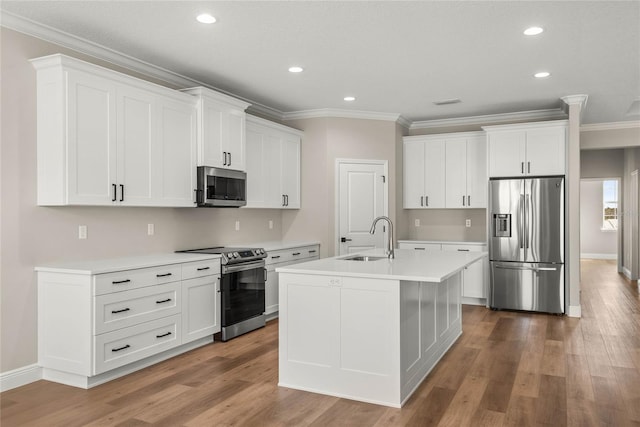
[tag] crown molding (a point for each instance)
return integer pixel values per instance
(610, 126)
(533, 115)
(78, 44)
(344, 114)
(576, 99)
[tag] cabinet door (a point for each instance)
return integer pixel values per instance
(290, 178)
(136, 150)
(473, 280)
(235, 142)
(271, 292)
(456, 173)
(546, 151)
(477, 179)
(210, 152)
(201, 307)
(507, 153)
(263, 168)
(413, 197)
(434, 174)
(91, 151)
(174, 154)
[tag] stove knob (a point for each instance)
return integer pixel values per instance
(230, 255)
(236, 255)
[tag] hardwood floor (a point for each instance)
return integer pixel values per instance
(509, 369)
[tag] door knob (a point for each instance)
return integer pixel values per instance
(344, 240)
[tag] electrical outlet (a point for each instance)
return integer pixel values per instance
(467, 223)
(237, 225)
(270, 225)
(417, 222)
(150, 229)
(82, 232)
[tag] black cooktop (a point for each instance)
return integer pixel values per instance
(231, 255)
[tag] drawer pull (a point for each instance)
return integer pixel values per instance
(275, 257)
(463, 250)
(296, 253)
(313, 251)
(203, 268)
(120, 311)
(163, 301)
(163, 335)
(119, 282)
(420, 249)
(121, 348)
(164, 275)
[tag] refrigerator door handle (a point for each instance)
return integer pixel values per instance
(527, 225)
(505, 267)
(521, 222)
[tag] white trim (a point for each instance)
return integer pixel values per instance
(19, 377)
(338, 113)
(598, 256)
(524, 126)
(580, 100)
(449, 136)
(575, 311)
(336, 201)
(273, 125)
(632, 124)
(488, 119)
(626, 272)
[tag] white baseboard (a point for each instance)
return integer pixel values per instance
(599, 256)
(19, 377)
(626, 272)
(574, 311)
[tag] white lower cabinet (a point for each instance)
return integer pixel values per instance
(94, 326)
(281, 258)
(474, 276)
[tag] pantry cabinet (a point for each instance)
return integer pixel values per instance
(98, 320)
(530, 149)
(106, 139)
(273, 165)
(221, 129)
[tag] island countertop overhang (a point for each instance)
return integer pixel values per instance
(408, 265)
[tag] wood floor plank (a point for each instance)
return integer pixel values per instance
(507, 369)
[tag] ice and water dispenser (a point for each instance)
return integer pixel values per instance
(501, 225)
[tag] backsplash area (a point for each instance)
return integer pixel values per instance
(447, 224)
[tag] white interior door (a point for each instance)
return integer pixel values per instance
(362, 196)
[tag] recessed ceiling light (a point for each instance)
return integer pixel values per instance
(533, 31)
(349, 98)
(542, 74)
(296, 69)
(205, 18)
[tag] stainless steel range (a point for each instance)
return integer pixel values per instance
(242, 283)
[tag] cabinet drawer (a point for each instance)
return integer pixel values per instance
(123, 309)
(463, 248)
(191, 270)
(138, 278)
(287, 255)
(127, 345)
(421, 246)
(276, 257)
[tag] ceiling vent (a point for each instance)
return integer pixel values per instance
(448, 101)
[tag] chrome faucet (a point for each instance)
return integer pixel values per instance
(389, 252)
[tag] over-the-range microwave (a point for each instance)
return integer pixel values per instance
(219, 187)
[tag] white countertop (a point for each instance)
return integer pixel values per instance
(119, 264)
(446, 242)
(411, 265)
(279, 245)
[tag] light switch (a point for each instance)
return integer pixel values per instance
(270, 224)
(467, 223)
(237, 225)
(417, 222)
(150, 229)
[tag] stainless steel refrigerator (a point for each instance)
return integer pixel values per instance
(526, 244)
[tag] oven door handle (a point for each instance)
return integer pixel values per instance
(265, 274)
(242, 267)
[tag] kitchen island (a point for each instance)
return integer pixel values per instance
(369, 330)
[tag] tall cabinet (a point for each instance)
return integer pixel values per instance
(273, 165)
(105, 138)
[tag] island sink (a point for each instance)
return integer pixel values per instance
(364, 258)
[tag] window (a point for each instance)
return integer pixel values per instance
(610, 205)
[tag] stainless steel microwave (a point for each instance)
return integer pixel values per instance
(219, 187)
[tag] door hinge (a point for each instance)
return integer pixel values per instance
(384, 179)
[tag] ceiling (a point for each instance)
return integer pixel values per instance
(394, 56)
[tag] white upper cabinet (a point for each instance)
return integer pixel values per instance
(273, 165)
(105, 138)
(466, 171)
(530, 149)
(221, 129)
(445, 171)
(424, 172)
